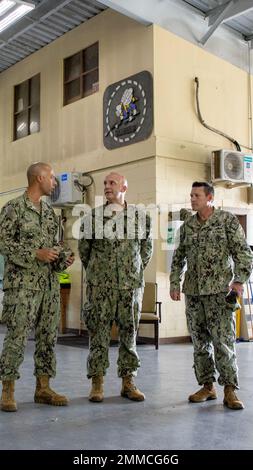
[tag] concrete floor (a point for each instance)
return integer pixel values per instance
(164, 421)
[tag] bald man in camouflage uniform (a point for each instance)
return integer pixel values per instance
(114, 258)
(28, 229)
(209, 241)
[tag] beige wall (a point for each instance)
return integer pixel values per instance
(140, 191)
(183, 145)
(71, 137)
(223, 99)
(160, 169)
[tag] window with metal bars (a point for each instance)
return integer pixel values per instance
(27, 108)
(81, 74)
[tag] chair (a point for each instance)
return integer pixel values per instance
(151, 309)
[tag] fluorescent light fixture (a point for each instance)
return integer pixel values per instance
(11, 11)
(5, 5)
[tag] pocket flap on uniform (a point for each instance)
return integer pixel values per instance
(10, 298)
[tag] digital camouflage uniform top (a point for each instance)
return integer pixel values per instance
(22, 232)
(115, 249)
(112, 262)
(209, 249)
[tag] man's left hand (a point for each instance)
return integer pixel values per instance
(70, 260)
(238, 287)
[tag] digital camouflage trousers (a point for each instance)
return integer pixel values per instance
(104, 306)
(23, 310)
(211, 324)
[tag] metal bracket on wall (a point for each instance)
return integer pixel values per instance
(224, 13)
(216, 20)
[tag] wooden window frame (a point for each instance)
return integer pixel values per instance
(27, 109)
(80, 77)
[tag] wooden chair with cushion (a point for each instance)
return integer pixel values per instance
(151, 309)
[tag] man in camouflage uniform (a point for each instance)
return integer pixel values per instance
(218, 259)
(114, 254)
(28, 229)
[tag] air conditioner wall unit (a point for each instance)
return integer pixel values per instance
(66, 191)
(231, 166)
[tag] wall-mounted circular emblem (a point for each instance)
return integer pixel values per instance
(128, 110)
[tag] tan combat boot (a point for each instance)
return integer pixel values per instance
(7, 400)
(44, 394)
(207, 392)
(129, 389)
(230, 398)
(97, 390)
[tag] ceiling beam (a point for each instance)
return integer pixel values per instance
(219, 20)
(249, 38)
(235, 8)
